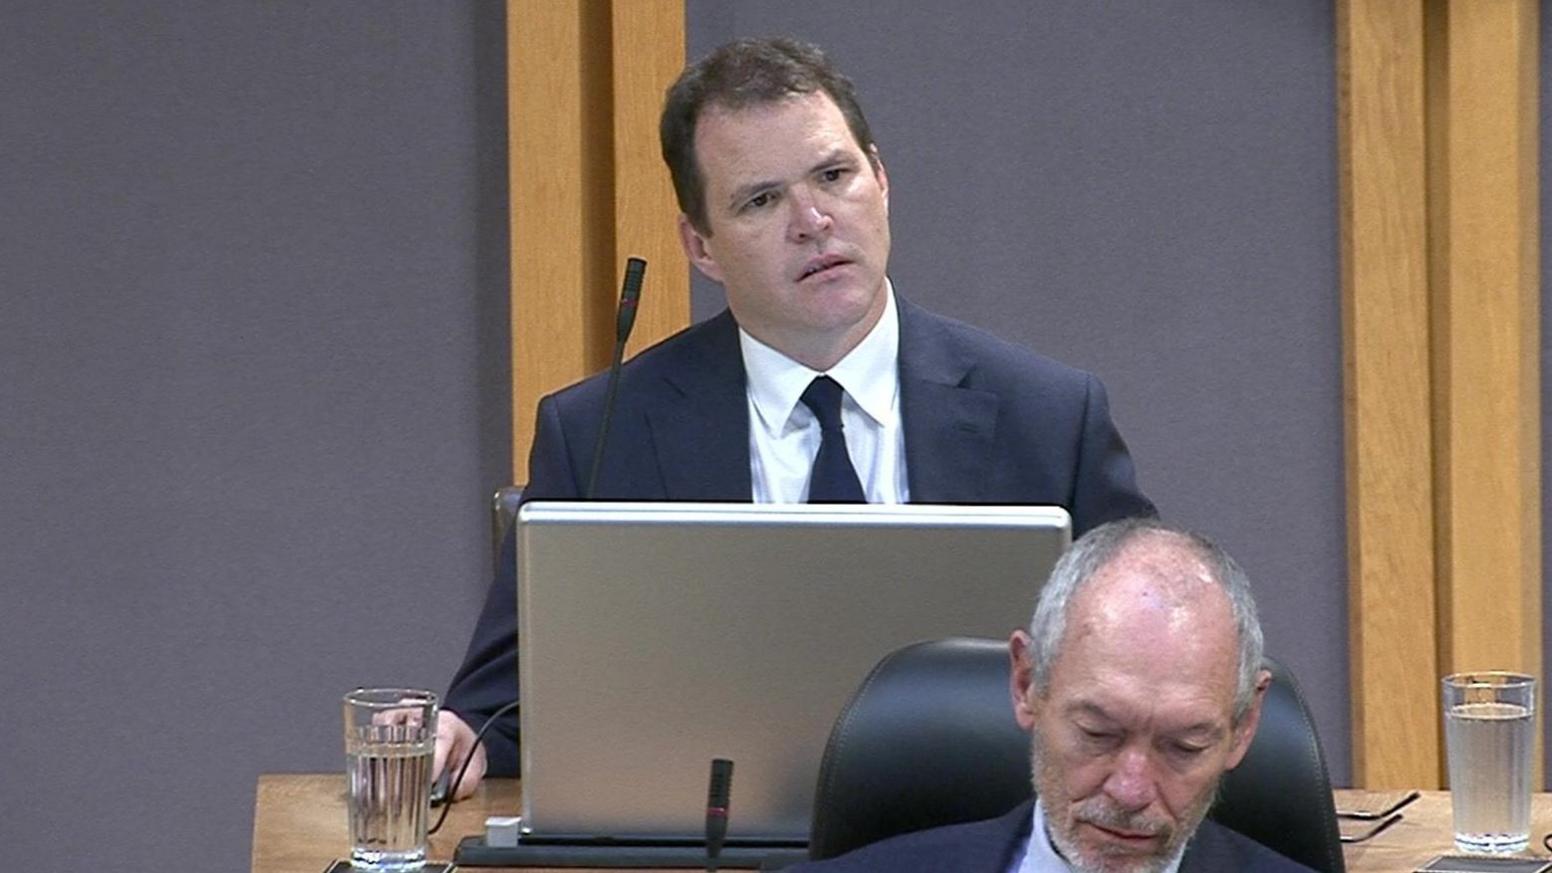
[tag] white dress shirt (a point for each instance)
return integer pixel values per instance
(784, 434)
(1037, 855)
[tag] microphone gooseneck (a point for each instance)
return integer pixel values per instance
(624, 321)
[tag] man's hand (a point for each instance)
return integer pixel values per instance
(454, 739)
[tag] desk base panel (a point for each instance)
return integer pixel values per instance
(472, 852)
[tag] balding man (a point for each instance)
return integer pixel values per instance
(1140, 683)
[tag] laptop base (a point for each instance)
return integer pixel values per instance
(473, 852)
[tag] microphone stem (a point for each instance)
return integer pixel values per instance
(624, 321)
(603, 427)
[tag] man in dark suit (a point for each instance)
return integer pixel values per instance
(818, 383)
(1140, 683)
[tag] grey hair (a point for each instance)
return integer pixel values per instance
(1096, 549)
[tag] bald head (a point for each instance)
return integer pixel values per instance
(1139, 579)
(1155, 604)
(1140, 684)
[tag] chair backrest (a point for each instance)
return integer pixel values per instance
(929, 739)
(503, 514)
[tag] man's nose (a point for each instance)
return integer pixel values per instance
(809, 217)
(1131, 784)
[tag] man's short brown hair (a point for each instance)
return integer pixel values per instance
(741, 74)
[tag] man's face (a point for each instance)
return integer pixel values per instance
(797, 225)
(1135, 728)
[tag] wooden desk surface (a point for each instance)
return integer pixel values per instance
(299, 821)
(299, 824)
(1423, 833)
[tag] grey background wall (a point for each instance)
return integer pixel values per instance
(253, 367)
(253, 394)
(1147, 191)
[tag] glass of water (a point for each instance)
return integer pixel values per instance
(1488, 727)
(390, 735)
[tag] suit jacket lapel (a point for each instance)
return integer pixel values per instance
(948, 427)
(700, 427)
(1207, 850)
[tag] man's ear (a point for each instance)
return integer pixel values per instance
(1245, 730)
(695, 248)
(879, 173)
(1021, 677)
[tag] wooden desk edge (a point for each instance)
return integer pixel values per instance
(299, 824)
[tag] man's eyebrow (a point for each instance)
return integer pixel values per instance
(1204, 729)
(836, 156)
(1210, 730)
(744, 192)
(1090, 708)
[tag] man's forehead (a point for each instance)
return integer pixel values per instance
(1151, 581)
(742, 126)
(723, 109)
(1171, 692)
(1183, 711)
(1151, 616)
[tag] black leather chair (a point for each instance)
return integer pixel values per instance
(503, 514)
(929, 739)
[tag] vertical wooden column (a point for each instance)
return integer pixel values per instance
(1441, 289)
(1387, 394)
(649, 41)
(585, 83)
(1486, 277)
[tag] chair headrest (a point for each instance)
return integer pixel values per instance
(929, 739)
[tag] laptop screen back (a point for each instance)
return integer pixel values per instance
(654, 637)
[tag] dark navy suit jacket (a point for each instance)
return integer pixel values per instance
(988, 847)
(985, 421)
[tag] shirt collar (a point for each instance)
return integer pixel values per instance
(1040, 854)
(868, 373)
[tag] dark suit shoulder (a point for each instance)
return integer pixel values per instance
(978, 847)
(678, 431)
(1217, 849)
(987, 421)
(986, 352)
(710, 344)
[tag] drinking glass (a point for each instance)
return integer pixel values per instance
(1488, 726)
(390, 736)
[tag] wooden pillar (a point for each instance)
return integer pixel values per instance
(1387, 393)
(1441, 289)
(1485, 273)
(585, 83)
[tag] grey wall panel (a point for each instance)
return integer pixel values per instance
(254, 395)
(1147, 191)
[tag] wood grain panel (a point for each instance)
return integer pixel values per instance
(1385, 318)
(1442, 357)
(585, 83)
(1486, 286)
(648, 55)
(551, 116)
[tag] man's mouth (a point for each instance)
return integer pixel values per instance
(1138, 839)
(820, 265)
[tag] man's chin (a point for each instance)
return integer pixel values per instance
(1091, 859)
(1099, 850)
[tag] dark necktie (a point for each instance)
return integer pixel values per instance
(834, 479)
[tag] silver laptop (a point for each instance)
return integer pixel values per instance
(654, 637)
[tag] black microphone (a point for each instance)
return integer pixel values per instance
(718, 793)
(630, 294)
(624, 320)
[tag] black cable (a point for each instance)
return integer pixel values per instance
(452, 787)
